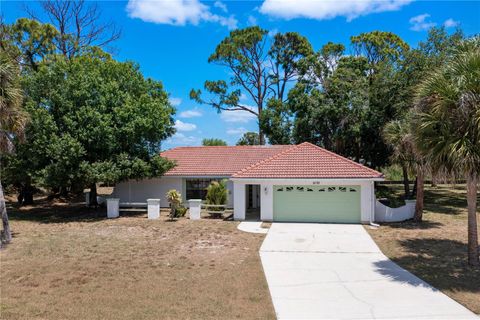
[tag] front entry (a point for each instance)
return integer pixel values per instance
(307, 203)
(252, 201)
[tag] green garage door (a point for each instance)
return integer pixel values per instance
(336, 204)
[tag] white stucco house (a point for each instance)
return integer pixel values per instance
(303, 182)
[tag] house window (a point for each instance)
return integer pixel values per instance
(197, 188)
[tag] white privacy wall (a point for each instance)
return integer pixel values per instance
(141, 190)
(367, 196)
(384, 213)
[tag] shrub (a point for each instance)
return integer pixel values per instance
(217, 194)
(180, 212)
(175, 199)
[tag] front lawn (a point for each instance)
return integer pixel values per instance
(435, 250)
(69, 262)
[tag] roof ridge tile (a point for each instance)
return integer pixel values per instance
(294, 146)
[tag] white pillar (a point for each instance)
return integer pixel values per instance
(266, 202)
(113, 207)
(238, 201)
(195, 207)
(153, 206)
(367, 201)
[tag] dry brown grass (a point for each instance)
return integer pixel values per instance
(436, 249)
(69, 262)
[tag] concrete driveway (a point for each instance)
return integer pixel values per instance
(329, 271)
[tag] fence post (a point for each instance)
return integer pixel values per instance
(195, 206)
(113, 208)
(153, 206)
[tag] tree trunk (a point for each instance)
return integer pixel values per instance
(28, 194)
(406, 183)
(473, 250)
(28, 197)
(6, 233)
(414, 189)
(419, 203)
(93, 195)
(261, 137)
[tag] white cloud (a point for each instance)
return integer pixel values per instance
(252, 21)
(175, 101)
(237, 116)
(421, 22)
(177, 12)
(328, 9)
(450, 23)
(184, 126)
(236, 131)
(192, 113)
(221, 6)
(182, 139)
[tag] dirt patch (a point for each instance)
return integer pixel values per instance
(69, 262)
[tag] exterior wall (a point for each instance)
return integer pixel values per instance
(141, 190)
(266, 201)
(239, 203)
(367, 195)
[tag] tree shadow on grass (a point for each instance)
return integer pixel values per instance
(51, 212)
(411, 225)
(444, 201)
(440, 262)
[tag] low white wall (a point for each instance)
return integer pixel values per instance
(387, 214)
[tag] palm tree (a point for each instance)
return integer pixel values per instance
(447, 125)
(397, 134)
(12, 122)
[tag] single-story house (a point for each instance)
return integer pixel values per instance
(303, 182)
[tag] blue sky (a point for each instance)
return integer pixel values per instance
(172, 39)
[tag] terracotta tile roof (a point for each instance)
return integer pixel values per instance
(218, 160)
(307, 161)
